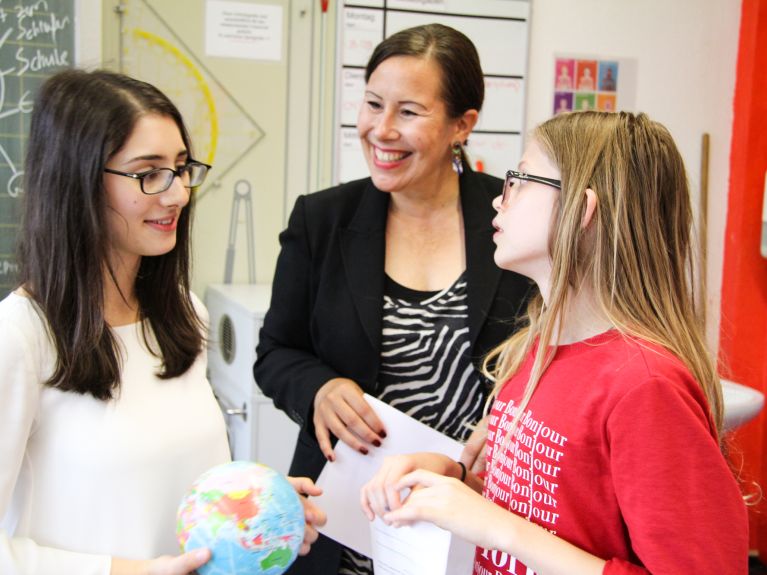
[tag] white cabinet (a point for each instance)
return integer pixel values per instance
(257, 430)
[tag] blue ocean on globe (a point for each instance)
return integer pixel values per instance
(247, 514)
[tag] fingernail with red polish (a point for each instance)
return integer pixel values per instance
(330, 458)
(363, 450)
(382, 434)
(376, 443)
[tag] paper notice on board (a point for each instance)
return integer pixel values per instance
(362, 31)
(243, 30)
(351, 158)
(352, 94)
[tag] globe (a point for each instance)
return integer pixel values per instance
(247, 514)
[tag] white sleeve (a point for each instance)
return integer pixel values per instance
(21, 372)
(20, 556)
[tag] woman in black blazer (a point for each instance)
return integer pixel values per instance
(360, 260)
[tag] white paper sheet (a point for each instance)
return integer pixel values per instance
(421, 549)
(243, 30)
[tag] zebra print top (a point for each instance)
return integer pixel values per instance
(426, 370)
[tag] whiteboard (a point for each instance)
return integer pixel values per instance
(497, 152)
(502, 44)
(504, 107)
(498, 28)
(492, 8)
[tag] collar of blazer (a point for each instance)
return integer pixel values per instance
(363, 245)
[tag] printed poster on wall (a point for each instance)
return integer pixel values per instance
(593, 84)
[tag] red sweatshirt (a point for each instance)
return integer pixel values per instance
(617, 454)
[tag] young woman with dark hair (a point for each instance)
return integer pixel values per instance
(106, 415)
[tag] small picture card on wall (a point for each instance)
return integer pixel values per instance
(608, 76)
(588, 83)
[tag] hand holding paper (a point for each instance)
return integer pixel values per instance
(421, 548)
(340, 408)
(382, 494)
(436, 498)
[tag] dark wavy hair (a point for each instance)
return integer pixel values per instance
(463, 85)
(80, 120)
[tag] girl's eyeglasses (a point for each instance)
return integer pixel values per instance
(513, 177)
(192, 174)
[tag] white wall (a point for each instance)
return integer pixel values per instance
(686, 52)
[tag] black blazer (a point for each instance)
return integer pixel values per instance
(326, 313)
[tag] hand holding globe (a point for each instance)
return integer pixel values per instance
(250, 517)
(313, 515)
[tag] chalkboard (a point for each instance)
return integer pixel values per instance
(36, 41)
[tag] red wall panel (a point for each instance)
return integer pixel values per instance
(743, 329)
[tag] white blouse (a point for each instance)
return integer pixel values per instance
(82, 480)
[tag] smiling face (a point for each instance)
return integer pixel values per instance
(523, 223)
(404, 128)
(142, 225)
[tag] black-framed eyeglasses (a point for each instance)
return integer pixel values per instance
(191, 174)
(512, 175)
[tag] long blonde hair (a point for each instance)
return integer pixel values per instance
(636, 253)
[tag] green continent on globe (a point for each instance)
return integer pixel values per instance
(281, 557)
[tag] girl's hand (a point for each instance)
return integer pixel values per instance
(381, 494)
(449, 504)
(341, 409)
(312, 514)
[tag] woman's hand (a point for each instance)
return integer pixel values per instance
(313, 515)
(341, 409)
(473, 455)
(449, 504)
(382, 494)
